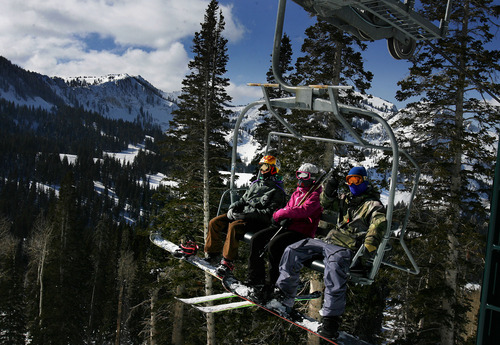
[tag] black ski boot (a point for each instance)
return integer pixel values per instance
(329, 327)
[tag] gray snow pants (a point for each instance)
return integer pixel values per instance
(337, 261)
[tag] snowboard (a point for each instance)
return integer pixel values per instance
(274, 307)
(194, 260)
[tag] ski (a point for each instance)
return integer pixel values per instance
(223, 307)
(194, 301)
(204, 299)
(225, 295)
(194, 260)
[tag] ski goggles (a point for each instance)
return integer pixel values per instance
(354, 179)
(303, 175)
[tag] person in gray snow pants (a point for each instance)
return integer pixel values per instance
(360, 222)
(337, 261)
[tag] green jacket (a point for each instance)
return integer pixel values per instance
(261, 200)
(356, 220)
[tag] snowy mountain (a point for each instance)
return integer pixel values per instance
(130, 98)
(115, 96)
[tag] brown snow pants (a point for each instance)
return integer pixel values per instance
(224, 235)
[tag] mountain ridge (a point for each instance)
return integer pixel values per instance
(116, 96)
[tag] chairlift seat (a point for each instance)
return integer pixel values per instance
(358, 274)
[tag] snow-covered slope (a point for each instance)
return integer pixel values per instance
(121, 96)
(116, 96)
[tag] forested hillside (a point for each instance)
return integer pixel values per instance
(70, 243)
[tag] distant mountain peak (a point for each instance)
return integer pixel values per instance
(115, 96)
(95, 80)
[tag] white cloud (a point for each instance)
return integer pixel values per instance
(146, 37)
(244, 94)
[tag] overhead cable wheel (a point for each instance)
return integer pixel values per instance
(401, 51)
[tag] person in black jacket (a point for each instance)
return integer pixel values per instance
(253, 212)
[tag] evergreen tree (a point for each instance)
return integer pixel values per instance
(454, 144)
(196, 145)
(333, 57)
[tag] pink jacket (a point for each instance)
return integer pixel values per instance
(305, 218)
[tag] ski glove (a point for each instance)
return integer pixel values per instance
(282, 223)
(238, 216)
(238, 207)
(370, 247)
(230, 214)
(331, 187)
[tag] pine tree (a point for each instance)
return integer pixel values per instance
(454, 145)
(333, 57)
(196, 143)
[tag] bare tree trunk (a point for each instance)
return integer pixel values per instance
(178, 319)
(206, 212)
(152, 324)
(38, 250)
(119, 313)
(316, 284)
(127, 270)
(210, 316)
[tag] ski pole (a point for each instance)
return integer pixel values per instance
(272, 238)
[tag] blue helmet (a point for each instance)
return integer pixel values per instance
(360, 188)
(358, 171)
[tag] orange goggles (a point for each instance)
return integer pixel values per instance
(354, 179)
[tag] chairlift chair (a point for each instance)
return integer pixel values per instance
(323, 98)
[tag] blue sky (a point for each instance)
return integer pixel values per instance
(153, 38)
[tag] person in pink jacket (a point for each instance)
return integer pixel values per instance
(296, 221)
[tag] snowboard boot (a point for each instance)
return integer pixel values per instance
(186, 249)
(225, 267)
(259, 291)
(282, 298)
(329, 327)
(278, 295)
